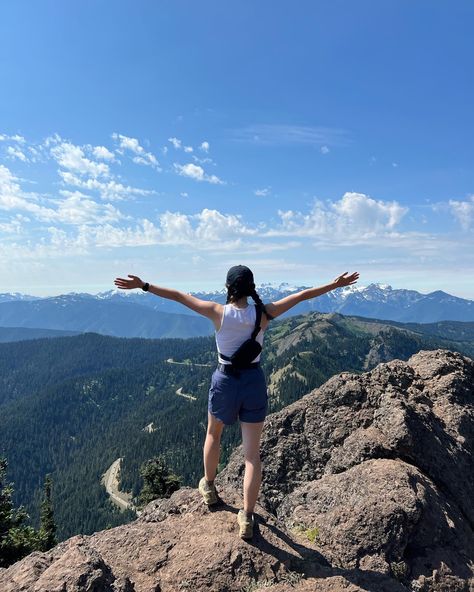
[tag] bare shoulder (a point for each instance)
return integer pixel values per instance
(218, 311)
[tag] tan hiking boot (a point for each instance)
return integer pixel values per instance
(208, 492)
(245, 524)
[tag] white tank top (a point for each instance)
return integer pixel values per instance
(237, 325)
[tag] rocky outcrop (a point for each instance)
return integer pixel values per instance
(368, 484)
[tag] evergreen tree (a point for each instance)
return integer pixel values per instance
(47, 532)
(158, 480)
(16, 539)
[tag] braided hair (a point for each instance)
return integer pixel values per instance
(242, 287)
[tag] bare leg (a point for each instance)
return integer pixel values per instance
(251, 433)
(212, 446)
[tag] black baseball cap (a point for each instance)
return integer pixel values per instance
(240, 274)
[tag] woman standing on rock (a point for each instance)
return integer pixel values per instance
(236, 393)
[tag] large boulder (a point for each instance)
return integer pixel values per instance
(327, 456)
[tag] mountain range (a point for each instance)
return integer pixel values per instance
(137, 314)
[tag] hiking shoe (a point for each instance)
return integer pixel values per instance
(245, 524)
(208, 492)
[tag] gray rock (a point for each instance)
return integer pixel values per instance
(367, 485)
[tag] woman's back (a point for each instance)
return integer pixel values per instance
(236, 327)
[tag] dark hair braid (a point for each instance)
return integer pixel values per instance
(258, 301)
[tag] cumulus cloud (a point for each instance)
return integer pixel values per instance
(463, 211)
(206, 230)
(197, 173)
(72, 158)
(262, 192)
(355, 214)
(369, 214)
(16, 153)
(204, 147)
(108, 190)
(75, 208)
(132, 145)
(13, 198)
(103, 152)
(324, 150)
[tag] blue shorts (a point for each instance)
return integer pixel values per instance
(244, 396)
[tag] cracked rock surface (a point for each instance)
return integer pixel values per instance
(368, 485)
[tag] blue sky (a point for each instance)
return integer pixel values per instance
(172, 140)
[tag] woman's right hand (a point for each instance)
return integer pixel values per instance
(341, 281)
(124, 284)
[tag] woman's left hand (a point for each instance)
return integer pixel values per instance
(124, 284)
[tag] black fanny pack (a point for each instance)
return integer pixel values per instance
(249, 349)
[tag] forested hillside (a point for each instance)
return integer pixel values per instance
(70, 406)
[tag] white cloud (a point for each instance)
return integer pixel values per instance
(176, 143)
(197, 173)
(204, 147)
(368, 214)
(205, 160)
(72, 158)
(463, 211)
(188, 149)
(184, 194)
(76, 208)
(14, 226)
(16, 153)
(176, 228)
(324, 150)
(262, 192)
(13, 198)
(16, 138)
(213, 225)
(354, 215)
(108, 190)
(133, 145)
(103, 152)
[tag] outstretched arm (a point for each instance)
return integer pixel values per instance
(209, 309)
(281, 306)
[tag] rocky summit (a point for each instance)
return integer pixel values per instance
(368, 485)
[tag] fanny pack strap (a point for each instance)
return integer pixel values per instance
(258, 318)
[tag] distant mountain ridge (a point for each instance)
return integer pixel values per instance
(134, 313)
